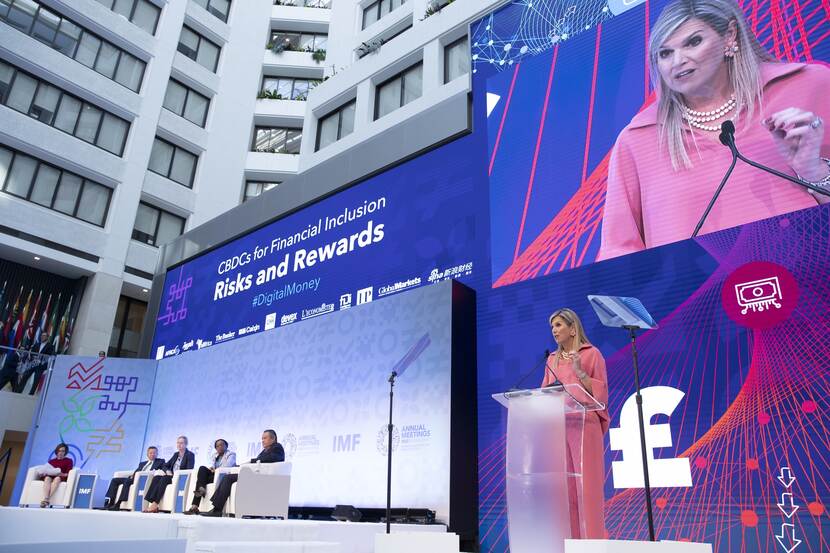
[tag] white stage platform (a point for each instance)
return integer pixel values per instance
(125, 532)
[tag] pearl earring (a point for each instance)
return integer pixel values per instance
(730, 51)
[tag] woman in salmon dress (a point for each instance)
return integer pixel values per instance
(708, 67)
(576, 361)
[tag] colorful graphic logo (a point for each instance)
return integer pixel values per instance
(759, 294)
(176, 293)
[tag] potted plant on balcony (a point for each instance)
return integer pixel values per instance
(318, 55)
(435, 6)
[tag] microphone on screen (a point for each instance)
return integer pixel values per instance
(727, 138)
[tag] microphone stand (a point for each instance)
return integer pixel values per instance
(723, 138)
(727, 138)
(531, 371)
(639, 399)
(389, 456)
(784, 176)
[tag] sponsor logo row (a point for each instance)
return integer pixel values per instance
(346, 301)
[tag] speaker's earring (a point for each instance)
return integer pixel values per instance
(729, 51)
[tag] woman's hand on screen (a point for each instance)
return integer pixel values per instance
(798, 134)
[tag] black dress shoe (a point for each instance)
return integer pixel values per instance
(194, 510)
(212, 513)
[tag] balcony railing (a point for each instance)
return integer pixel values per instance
(324, 4)
(280, 47)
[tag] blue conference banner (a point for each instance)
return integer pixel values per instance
(405, 228)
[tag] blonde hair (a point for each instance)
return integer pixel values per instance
(572, 320)
(744, 67)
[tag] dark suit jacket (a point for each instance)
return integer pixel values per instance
(188, 461)
(48, 349)
(274, 454)
(158, 462)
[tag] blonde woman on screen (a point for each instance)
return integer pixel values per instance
(576, 361)
(707, 66)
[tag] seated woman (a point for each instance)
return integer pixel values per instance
(221, 458)
(182, 460)
(62, 465)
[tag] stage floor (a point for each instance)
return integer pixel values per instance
(129, 531)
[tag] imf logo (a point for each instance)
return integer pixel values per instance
(345, 443)
(84, 491)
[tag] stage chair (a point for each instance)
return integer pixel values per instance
(129, 504)
(122, 474)
(261, 491)
(206, 505)
(135, 499)
(33, 490)
(176, 492)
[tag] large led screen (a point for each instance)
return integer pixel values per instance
(407, 227)
(580, 159)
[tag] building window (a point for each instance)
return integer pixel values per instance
(217, 8)
(399, 91)
(297, 42)
(155, 226)
(142, 13)
(254, 188)
(60, 33)
(126, 330)
(286, 88)
(177, 164)
(335, 125)
(199, 49)
(376, 10)
(456, 59)
(186, 102)
(38, 182)
(56, 108)
(276, 140)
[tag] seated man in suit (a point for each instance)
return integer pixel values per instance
(182, 460)
(221, 458)
(153, 462)
(272, 452)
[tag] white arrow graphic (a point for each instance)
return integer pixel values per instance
(786, 477)
(492, 101)
(787, 506)
(788, 530)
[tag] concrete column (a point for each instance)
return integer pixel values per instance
(96, 315)
(433, 66)
(365, 106)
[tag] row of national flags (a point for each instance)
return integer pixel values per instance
(26, 319)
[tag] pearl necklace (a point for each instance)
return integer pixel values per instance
(698, 119)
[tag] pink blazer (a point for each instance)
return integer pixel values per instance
(649, 204)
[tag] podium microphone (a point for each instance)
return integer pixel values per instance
(531, 371)
(556, 382)
(727, 138)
